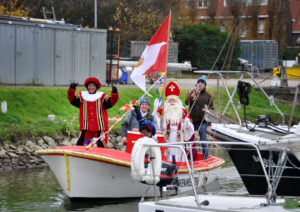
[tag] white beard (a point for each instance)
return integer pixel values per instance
(173, 113)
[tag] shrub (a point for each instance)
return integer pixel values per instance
(201, 45)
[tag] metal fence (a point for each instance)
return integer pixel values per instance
(50, 54)
(137, 48)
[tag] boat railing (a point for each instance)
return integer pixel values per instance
(270, 195)
(231, 95)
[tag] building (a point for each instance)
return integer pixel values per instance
(259, 19)
(295, 21)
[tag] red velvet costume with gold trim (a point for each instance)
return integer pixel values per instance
(93, 117)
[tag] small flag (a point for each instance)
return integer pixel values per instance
(115, 118)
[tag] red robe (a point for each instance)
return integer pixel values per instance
(184, 115)
(93, 115)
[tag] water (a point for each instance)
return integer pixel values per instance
(38, 190)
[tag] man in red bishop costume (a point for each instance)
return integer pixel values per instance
(93, 105)
(177, 126)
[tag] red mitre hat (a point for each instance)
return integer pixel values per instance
(93, 80)
(172, 89)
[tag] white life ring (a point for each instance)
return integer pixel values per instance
(138, 171)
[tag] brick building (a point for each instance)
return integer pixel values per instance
(222, 13)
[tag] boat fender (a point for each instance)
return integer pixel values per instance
(138, 171)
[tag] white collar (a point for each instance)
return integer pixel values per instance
(91, 97)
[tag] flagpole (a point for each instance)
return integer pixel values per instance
(165, 75)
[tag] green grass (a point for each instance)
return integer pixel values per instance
(29, 107)
(291, 204)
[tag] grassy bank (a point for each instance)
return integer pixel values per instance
(29, 107)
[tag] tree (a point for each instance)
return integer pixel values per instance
(270, 23)
(281, 29)
(212, 11)
(136, 22)
(187, 13)
(236, 7)
(253, 22)
(13, 8)
(201, 44)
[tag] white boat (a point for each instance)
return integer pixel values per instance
(217, 202)
(271, 143)
(105, 173)
(270, 138)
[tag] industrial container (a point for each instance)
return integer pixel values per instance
(38, 53)
(261, 53)
(137, 48)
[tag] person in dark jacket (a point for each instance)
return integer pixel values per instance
(130, 122)
(196, 99)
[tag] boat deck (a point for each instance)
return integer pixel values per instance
(215, 203)
(237, 133)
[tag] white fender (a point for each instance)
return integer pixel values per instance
(138, 171)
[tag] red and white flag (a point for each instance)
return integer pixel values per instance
(154, 57)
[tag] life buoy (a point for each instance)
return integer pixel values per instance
(138, 170)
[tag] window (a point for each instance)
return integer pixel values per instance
(202, 4)
(261, 26)
(247, 2)
(263, 2)
(187, 6)
(244, 31)
(225, 3)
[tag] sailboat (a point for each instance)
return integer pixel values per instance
(279, 146)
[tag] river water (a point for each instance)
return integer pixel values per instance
(38, 190)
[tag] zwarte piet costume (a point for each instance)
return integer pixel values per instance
(93, 117)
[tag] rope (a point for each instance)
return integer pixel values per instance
(266, 78)
(296, 167)
(266, 110)
(216, 60)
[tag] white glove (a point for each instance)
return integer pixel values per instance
(186, 121)
(102, 138)
(156, 105)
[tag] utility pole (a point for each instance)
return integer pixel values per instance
(95, 10)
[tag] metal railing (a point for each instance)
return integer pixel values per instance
(270, 195)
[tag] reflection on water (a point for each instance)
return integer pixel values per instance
(38, 190)
(103, 206)
(30, 190)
